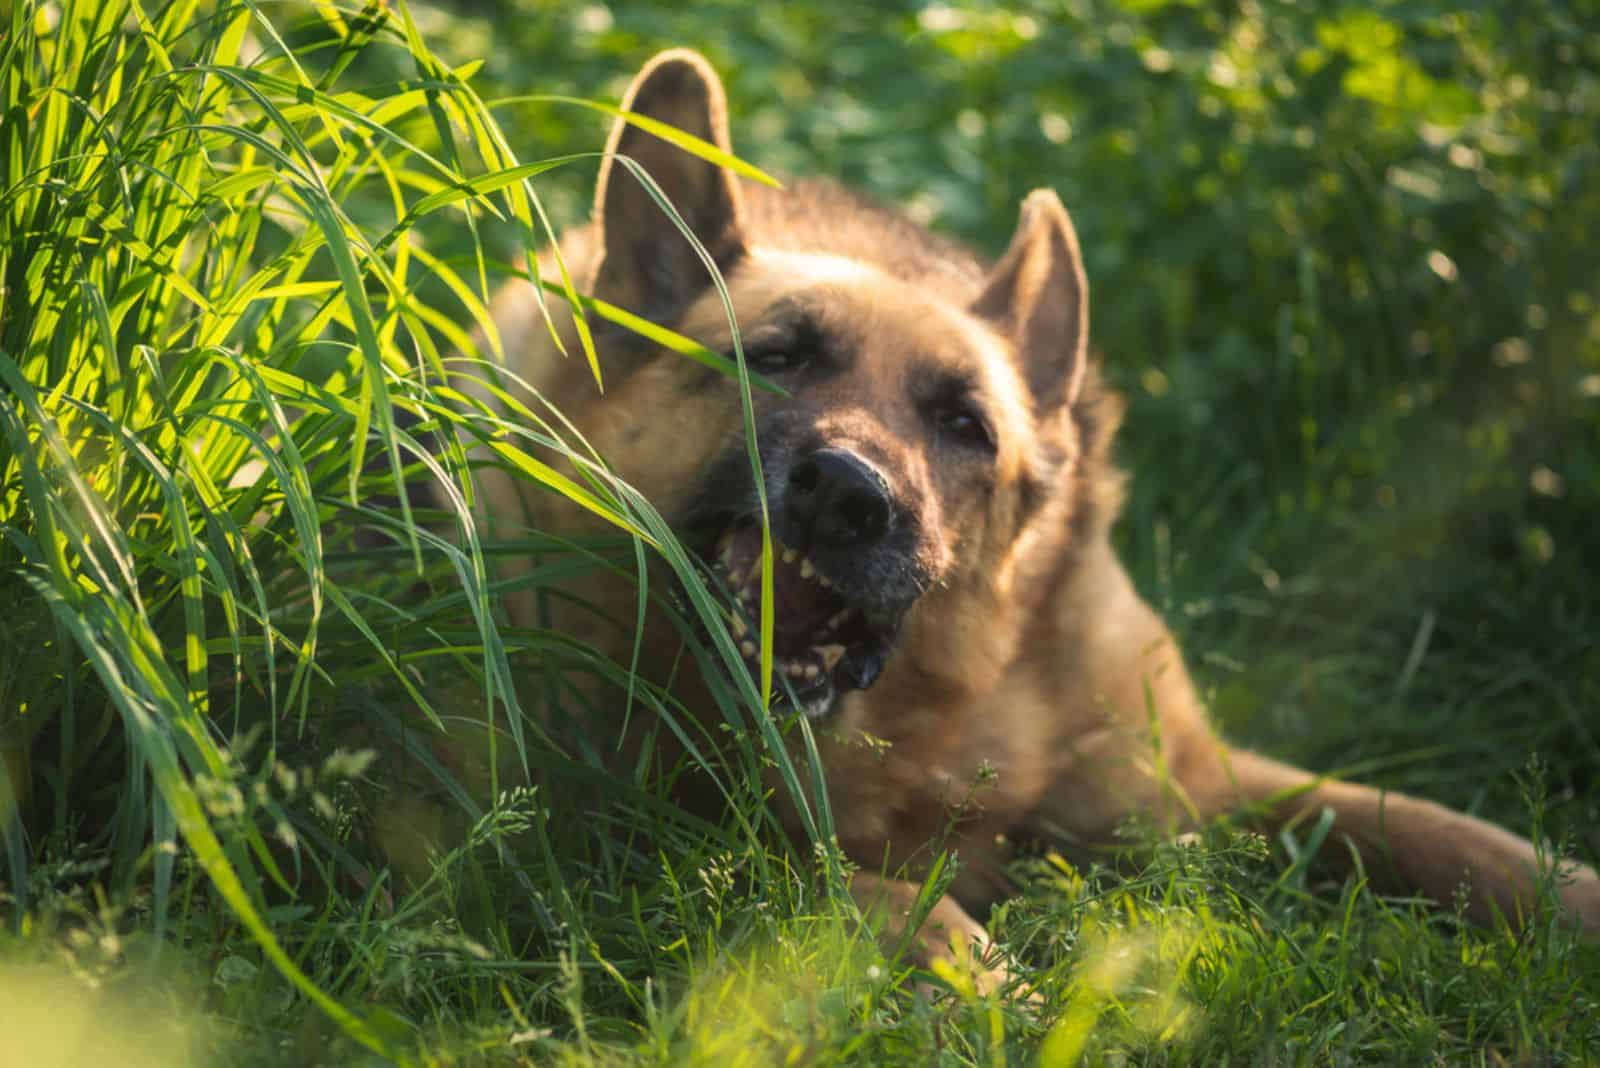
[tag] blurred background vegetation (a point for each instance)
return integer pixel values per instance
(1342, 261)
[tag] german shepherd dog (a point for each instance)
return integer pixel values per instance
(941, 499)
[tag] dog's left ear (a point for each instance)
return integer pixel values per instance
(647, 266)
(1038, 295)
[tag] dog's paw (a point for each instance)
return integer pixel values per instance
(949, 943)
(1579, 894)
(972, 966)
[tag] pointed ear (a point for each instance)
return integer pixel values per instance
(646, 265)
(1038, 296)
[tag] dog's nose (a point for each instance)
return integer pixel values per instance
(838, 500)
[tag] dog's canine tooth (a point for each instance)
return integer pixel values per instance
(747, 647)
(807, 570)
(740, 627)
(831, 655)
(790, 555)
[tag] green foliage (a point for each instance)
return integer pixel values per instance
(1342, 269)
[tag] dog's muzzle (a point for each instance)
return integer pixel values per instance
(843, 574)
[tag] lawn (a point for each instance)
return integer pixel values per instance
(1343, 266)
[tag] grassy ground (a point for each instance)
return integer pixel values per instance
(1342, 271)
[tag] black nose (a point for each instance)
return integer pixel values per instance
(837, 500)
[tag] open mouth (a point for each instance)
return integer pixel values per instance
(825, 640)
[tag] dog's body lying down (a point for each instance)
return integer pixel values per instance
(941, 500)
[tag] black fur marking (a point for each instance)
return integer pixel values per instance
(883, 581)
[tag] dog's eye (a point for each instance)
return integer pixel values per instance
(775, 361)
(961, 423)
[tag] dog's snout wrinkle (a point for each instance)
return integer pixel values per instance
(839, 500)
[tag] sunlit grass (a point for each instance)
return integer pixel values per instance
(55, 1019)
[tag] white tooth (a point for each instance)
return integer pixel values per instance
(825, 583)
(831, 655)
(806, 570)
(739, 627)
(839, 618)
(795, 671)
(812, 671)
(790, 556)
(747, 647)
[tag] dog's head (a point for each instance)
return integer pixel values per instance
(927, 417)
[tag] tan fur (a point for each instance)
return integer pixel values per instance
(1032, 691)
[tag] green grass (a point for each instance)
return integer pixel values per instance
(1342, 271)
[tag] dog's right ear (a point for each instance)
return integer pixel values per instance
(646, 265)
(1039, 295)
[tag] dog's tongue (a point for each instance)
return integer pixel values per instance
(801, 604)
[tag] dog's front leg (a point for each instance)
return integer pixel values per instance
(1406, 844)
(1129, 664)
(946, 934)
